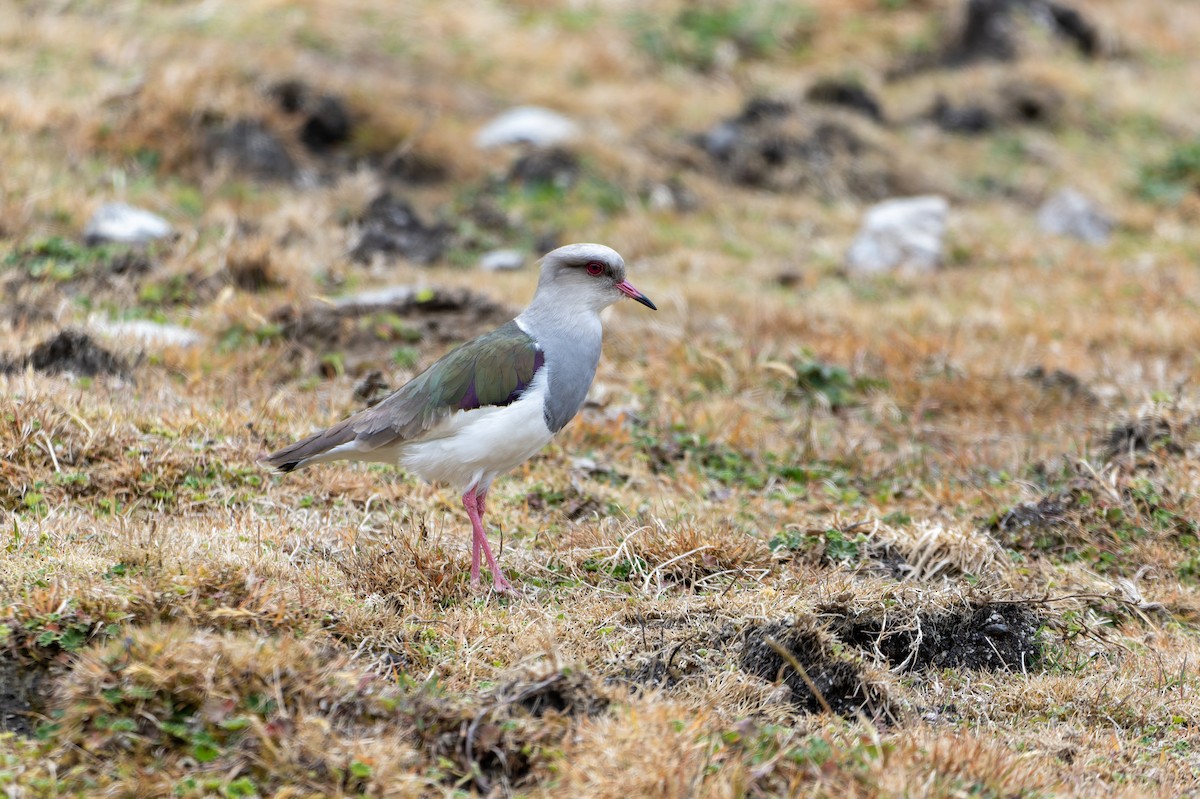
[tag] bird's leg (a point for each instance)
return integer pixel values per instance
(499, 583)
(471, 502)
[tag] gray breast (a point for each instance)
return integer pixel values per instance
(571, 361)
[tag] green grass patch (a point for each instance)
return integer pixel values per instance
(696, 36)
(1171, 179)
(59, 259)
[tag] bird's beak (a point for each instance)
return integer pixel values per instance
(629, 291)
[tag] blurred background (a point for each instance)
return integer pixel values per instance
(259, 153)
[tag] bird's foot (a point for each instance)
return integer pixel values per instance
(502, 586)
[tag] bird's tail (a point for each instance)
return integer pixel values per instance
(326, 445)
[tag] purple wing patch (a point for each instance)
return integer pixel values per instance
(471, 398)
(539, 360)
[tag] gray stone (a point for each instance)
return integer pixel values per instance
(373, 298)
(124, 224)
(502, 261)
(1070, 213)
(527, 124)
(903, 234)
(146, 333)
(670, 195)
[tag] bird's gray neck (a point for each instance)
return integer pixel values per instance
(570, 339)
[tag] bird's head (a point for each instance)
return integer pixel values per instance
(590, 276)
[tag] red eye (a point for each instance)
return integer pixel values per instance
(595, 268)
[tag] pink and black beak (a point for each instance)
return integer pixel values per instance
(629, 291)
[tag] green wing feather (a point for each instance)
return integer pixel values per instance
(494, 369)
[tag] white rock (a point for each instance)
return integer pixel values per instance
(904, 234)
(124, 224)
(670, 196)
(585, 465)
(389, 295)
(146, 333)
(660, 197)
(527, 124)
(1069, 213)
(502, 260)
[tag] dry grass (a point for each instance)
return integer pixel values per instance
(930, 536)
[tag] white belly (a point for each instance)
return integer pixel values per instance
(471, 448)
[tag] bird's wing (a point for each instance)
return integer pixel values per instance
(495, 369)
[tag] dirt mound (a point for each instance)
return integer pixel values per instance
(554, 166)
(1011, 102)
(250, 266)
(802, 659)
(390, 226)
(328, 125)
(993, 30)
(24, 689)
(845, 94)
(569, 693)
(328, 121)
(1047, 512)
(365, 330)
(250, 147)
(498, 744)
(1144, 432)
(983, 637)
(1082, 521)
(1004, 30)
(69, 352)
(781, 147)
(1060, 382)
(261, 128)
(1114, 520)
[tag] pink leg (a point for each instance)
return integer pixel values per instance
(470, 502)
(474, 505)
(498, 580)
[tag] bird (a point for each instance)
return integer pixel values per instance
(492, 403)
